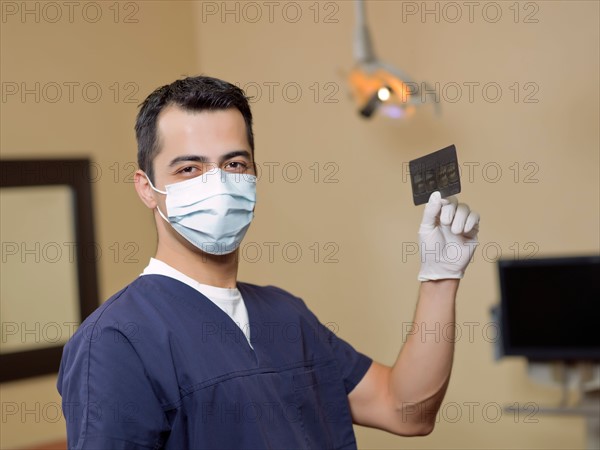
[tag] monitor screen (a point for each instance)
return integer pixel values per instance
(550, 308)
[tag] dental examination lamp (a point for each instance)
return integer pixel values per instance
(376, 85)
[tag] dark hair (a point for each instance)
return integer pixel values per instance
(192, 94)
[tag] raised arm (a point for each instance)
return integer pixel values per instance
(404, 399)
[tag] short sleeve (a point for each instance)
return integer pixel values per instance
(352, 364)
(108, 400)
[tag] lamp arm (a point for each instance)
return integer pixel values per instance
(363, 46)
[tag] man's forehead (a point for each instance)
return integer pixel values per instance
(183, 132)
(223, 123)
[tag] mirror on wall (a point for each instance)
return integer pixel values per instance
(48, 261)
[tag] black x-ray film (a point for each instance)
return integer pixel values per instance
(437, 171)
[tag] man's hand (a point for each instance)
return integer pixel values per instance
(447, 238)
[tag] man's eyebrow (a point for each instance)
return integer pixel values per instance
(234, 154)
(205, 160)
(194, 158)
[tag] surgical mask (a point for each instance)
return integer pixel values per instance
(212, 211)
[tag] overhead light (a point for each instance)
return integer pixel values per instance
(375, 85)
(384, 93)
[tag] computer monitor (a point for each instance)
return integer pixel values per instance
(550, 308)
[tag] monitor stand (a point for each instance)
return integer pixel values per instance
(581, 377)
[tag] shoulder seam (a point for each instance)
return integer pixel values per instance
(87, 375)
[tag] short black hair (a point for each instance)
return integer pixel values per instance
(198, 93)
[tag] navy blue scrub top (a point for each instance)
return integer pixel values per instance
(159, 366)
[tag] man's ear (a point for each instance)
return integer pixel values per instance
(144, 190)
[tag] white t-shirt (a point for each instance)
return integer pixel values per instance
(229, 300)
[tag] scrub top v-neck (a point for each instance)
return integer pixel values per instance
(229, 300)
(161, 366)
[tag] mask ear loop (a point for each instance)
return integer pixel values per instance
(160, 192)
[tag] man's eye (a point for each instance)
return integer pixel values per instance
(188, 170)
(236, 165)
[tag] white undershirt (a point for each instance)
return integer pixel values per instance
(229, 300)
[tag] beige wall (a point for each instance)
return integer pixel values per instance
(156, 49)
(361, 223)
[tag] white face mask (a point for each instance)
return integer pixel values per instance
(213, 211)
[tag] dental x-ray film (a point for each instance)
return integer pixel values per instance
(437, 171)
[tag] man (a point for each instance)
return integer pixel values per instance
(187, 357)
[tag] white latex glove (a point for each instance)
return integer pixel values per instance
(447, 238)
